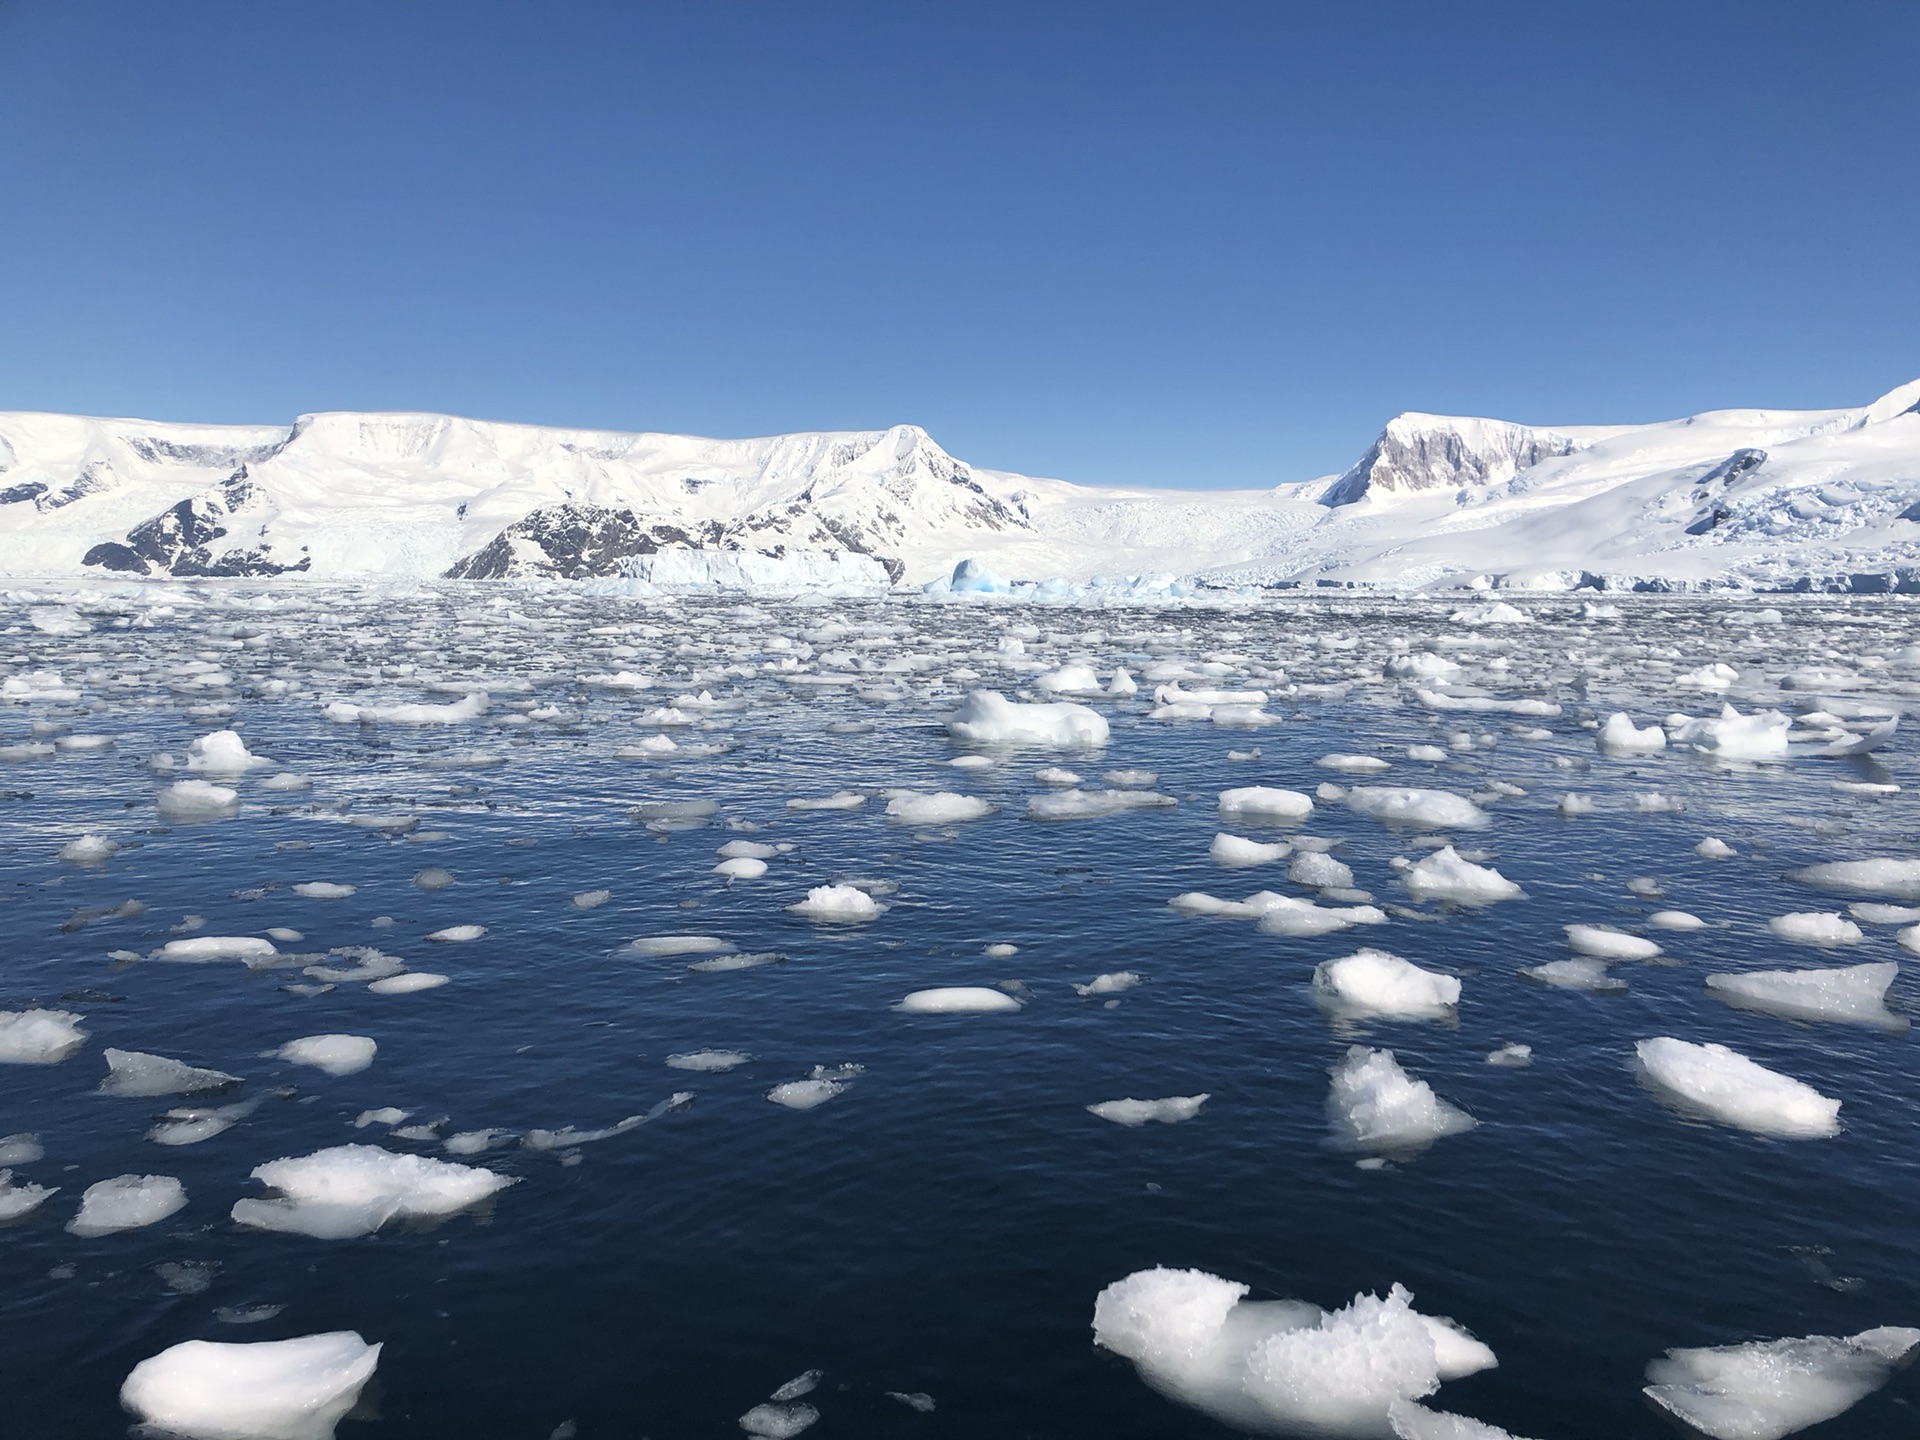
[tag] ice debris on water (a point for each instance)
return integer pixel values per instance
(818, 1088)
(709, 1061)
(457, 934)
(197, 800)
(1606, 943)
(1170, 1111)
(941, 808)
(1767, 1389)
(1416, 808)
(20, 1197)
(350, 1190)
(1376, 1106)
(988, 718)
(680, 945)
(1078, 804)
(1236, 852)
(332, 1054)
(39, 1037)
(1585, 972)
(957, 1000)
(1713, 1082)
(838, 905)
(1809, 927)
(1446, 875)
(1511, 1056)
(1263, 804)
(1109, 984)
(1850, 994)
(136, 1074)
(1882, 875)
(408, 983)
(295, 1389)
(1378, 984)
(127, 1202)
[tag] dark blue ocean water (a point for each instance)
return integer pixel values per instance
(944, 1226)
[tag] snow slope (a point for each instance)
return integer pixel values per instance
(1740, 497)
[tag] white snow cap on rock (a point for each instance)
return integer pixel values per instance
(987, 717)
(270, 1390)
(1280, 1366)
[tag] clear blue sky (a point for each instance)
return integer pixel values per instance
(1182, 243)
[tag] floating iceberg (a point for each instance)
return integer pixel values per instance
(1724, 1085)
(1377, 984)
(1899, 879)
(39, 1037)
(1619, 736)
(1851, 994)
(1444, 875)
(838, 905)
(1238, 853)
(1257, 804)
(197, 800)
(1606, 943)
(1170, 1111)
(1812, 927)
(1766, 1389)
(1733, 736)
(1094, 804)
(222, 753)
(471, 707)
(139, 1075)
(272, 1390)
(957, 1000)
(1377, 1106)
(1421, 809)
(987, 717)
(127, 1202)
(333, 1054)
(941, 808)
(350, 1190)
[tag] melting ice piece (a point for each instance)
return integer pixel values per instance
(1619, 736)
(1294, 918)
(709, 1061)
(472, 707)
(1238, 853)
(1899, 879)
(1421, 809)
(21, 1149)
(1375, 983)
(39, 1037)
(741, 867)
(197, 800)
(1511, 1056)
(200, 949)
(680, 945)
(988, 718)
(407, 984)
(1108, 984)
(89, 850)
(941, 808)
(1877, 914)
(837, 905)
(1606, 943)
(1851, 994)
(457, 934)
(751, 961)
(1416, 1422)
(333, 1054)
(273, 1390)
(1319, 869)
(1769, 1388)
(1809, 927)
(839, 800)
(368, 964)
(1354, 764)
(1572, 805)
(134, 1073)
(21, 1198)
(349, 1190)
(127, 1202)
(1263, 804)
(1170, 1111)
(1721, 1084)
(805, 1094)
(568, 1135)
(1444, 875)
(1714, 848)
(1280, 1367)
(775, 1421)
(1379, 1107)
(591, 899)
(191, 1126)
(957, 1000)
(1000, 950)
(1733, 736)
(1675, 920)
(1585, 973)
(1093, 804)
(388, 1115)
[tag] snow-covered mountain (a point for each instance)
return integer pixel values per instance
(1746, 497)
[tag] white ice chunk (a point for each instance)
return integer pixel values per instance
(1263, 804)
(222, 753)
(1320, 870)
(1068, 680)
(1444, 875)
(941, 808)
(1675, 920)
(839, 800)
(1170, 1111)
(472, 707)
(1109, 984)
(89, 850)
(805, 1094)
(1584, 973)
(322, 890)
(1093, 804)
(741, 867)
(957, 1000)
(1424, 809)
(1511, 1056)
(1810, 927)
(1353, 764)
(774, 1421)
(680, 945)
(709, 1061)
(139, 1075)
(1416, 1422)
(457, 934)
(1899, 879)
(271, 1390)
(988, 718)
(1238, 853)
(198, 949)
(1607, 943)
(1376, 983)
(1379, 1107)
(1853, 994)
(409, 983)
(127, 1202)
(1733, 736)
(1714, 848)
(333, 1054)
(349, 1190)
(838, 904)
(39, 1037)
(197, 800)
(1766, 1389)
(1724, 1085)
(1619, 736)
(19, 1198)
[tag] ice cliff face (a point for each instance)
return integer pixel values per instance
(1436, 452)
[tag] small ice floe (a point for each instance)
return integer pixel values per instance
(1733, 736)
(138, 1075)
(1068, 680)
(1877, 914)
(1850, 994)
(1093, 804)
(839, 800)
(1717, 676)
(408, 983)
(816, 1089)
(919, 1399)
(456, 934)
(1810, 927)
(971, 762)
(1238, 853)
(1897, 879)
(750, 850)
(272, 1390)
(1584, 973)
(722, 964)
(680, 945)
(89, 850)
(709, 1062)
(1411, 1421)
(957, 1000)
(1279, 914)
(838, 905)
(1354, 764)
(1445, 875)
(197, 800)
(1000, 950)
(1654, 803)
(331, 1054)
(1318, 869)
(1109, 984)
(568, 1136)
(1869, 789)
(1572, 805)
(1420, 809)
(777, 1420)
(1675, 920)
(19, 1198)
(1170, 1111)
(39, 1037)
(191, 1126)
(22, 1149)
(941, 808)
(222, 753)
(1132, 779)
(1056, 775)
(741, 867)
(1619, 736)
(350, 1190)
(388, 1115)
(1264, 805)
(433, 878)
(471, 707)
(127, 1202)
(472, 1142)
(1715, 1083)
(202, 949)
(988, 718)
(286, 781)
(1375, 984)
(1281, 1366)
(591, 899)
(1377, 1107)
(1607, 943)
(1431, 754)
(1511, 1056)
(365, 965)
(1766, 1389)
(322, 890)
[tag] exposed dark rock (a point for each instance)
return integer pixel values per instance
(180, 539)
(574, 542)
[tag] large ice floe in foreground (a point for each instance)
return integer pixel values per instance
(350, 1190)
(1770, 1388)
(986, 717)
(271, 1390)
(1715, 1083)
(1850, 994)
(1281, 1367)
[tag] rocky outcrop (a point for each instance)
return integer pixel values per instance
(181, 540)
(1443, 452)
(574, 542)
